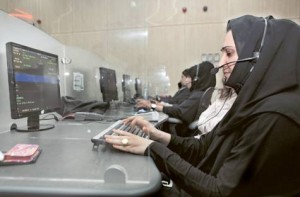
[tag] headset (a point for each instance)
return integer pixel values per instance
(197, 72)
(255, 56)
(257, 53)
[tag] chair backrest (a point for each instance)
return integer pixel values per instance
(203, 105)
(206, 97)
(205, 101)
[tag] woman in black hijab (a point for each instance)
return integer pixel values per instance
(254, 150)
(201, 81)
(188, 110)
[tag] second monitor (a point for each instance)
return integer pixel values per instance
(138, 88)
(126, 87)
(108, 84)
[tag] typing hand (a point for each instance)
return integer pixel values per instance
(140, 122)
(146, 127)
(143, 103)
(154, 101)
(128, 142)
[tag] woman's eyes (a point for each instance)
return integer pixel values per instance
(229, 54)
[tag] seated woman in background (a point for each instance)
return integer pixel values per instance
(254, 150)
(181, 95)
(201, 80)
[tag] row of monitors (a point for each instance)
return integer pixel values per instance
(34, 83)
(108, 85)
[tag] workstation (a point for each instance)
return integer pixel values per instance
(69, 163)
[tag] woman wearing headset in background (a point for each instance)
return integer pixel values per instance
(187, 110)
(181, 95)
(254, 149)
(183, 91)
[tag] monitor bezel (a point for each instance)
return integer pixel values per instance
(102, 85)
(11, 82)
(138, 87)
(126, 81)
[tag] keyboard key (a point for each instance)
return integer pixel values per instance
(99, 139)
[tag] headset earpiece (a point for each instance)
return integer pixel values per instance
(256, 54)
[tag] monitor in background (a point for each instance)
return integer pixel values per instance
(138, 88)
(126, 83)
(33, 78)
(108, 84)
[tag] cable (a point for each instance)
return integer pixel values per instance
(45, 117)
(216, 113)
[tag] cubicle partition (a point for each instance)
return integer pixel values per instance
(79, 75)
(15, 30)
(68, 165)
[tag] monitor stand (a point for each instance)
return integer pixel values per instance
(33, 124)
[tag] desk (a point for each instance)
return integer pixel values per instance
(68, 166)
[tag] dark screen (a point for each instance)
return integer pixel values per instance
(138, 87)
(126, 83)
(33, 80)
(108, 84)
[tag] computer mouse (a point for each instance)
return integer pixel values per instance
(141, 111)
(1, 156)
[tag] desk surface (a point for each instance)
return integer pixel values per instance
(69, 166)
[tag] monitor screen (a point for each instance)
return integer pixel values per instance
(33, 78)
(126, 84)
(138, 88)
(108, 84)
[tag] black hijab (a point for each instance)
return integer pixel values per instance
(273, 84)
(201, 77)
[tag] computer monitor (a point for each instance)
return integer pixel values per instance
(33, 78)
(138, 88)
(108, 84)
(126, 83)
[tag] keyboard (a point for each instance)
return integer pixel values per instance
(152, 116)
(82, 116)
(99, 139)
(91, 116)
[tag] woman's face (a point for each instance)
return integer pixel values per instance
(188, 82)
(183, 80)
(229, 54)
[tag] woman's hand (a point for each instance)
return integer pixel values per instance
(128, 142)
(132, 143)
(149, 129)
(143, 103)
(159, 107)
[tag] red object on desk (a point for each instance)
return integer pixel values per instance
(22, 153)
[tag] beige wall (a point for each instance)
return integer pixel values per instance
(148, 36)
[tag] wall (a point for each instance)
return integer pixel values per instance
(79, 61)
(11, 29)
(147, 36)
